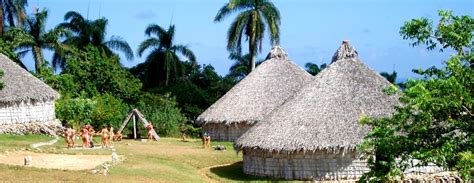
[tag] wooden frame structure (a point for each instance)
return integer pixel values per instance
(133, 115)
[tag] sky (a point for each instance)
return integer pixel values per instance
(311, 30)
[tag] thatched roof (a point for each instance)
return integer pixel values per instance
(345, 51)
(264, 89)
(20, 85)
(324, 114)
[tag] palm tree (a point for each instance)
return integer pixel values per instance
(33, 37)
(163, 60)
(92, 32)
(241, 67)
(251, 22)
(314, 69)
(11, 11)
(390, 77)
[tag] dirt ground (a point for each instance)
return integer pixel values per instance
(55, 161)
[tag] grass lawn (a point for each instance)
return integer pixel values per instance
(169, 160)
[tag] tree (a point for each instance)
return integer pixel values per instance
(162, 65)
(89, 32)
(241, 67)
(314, 69)
(33, 37)
(251, 21)
(7, 47)
(434, 123)
(452, 31)
(92, 72)
(392, 78)
(11, 11)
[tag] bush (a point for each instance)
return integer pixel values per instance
(163, 112)
(98, 111)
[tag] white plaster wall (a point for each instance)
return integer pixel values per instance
(221, 132)
(317, 165)
(26, 112)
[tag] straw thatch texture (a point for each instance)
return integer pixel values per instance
(264, 89)
(324, 114)
(345, 51)
(21, 86)
(24, 99)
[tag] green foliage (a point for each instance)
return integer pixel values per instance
(163, 112)
(108, 110)
(452, 31)
(241, 67)
(435, 122)
(92, 72)
(7, 47)
(86, 33)
(33, 37)
(162, 65)
(75, 111)
(97, 111)
(314, 69)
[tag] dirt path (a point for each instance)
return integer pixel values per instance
(54, 161)
(203, 172)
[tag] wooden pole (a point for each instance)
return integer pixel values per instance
(134, 127)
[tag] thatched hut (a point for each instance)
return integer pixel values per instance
(314, 135)
(24, 101)
(264, 89)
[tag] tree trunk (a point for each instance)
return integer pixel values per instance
(2, 19)
(252, 51)
(38, 54)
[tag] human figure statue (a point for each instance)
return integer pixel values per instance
(85, 137)
(70, 135)
(91, 135)
(111, 135)
(104, 133)
(206, 140)
(149, 129)
(118, 136)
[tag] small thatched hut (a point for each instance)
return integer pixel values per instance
(24, 101)
(315, 133)
(264, 89)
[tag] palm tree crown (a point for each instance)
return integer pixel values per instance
(163, 63)
(254, 14)
(33, 37)
(92, 32)
(12, 11)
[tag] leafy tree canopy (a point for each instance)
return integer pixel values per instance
(435, 122)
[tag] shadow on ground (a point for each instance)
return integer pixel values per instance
(235, 172)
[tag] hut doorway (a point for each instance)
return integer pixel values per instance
(134, 115)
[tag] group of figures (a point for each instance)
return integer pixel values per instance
(87, 133)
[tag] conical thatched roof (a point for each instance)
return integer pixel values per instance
(345, 51)
(324, 114)
(20, 85)
(264, 89)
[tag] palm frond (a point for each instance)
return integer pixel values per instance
(120, 44)
(232, 7)
(185, 52)
(155, 29)
(236, 29)
(148, 43)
